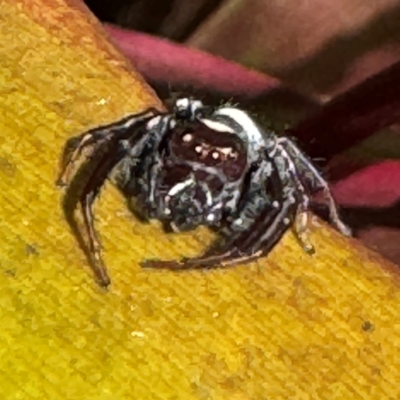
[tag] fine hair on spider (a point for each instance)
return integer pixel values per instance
(201, 165)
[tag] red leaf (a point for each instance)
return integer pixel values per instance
(333, 128)
(370, 200)
(375, 186)
(160, 60)
(353, 116)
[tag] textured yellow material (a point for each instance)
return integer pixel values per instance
(290, 327)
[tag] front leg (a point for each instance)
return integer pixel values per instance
(101, 137)
(250, 245)
(110, 146)
(87, 198)
(253, 233)
(305, 170)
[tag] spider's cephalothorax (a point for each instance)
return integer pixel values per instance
(199, 165)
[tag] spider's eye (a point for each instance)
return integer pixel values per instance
(199, 149)
(187, 137)
(228, 153)
(198, 142)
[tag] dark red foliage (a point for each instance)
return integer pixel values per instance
(335, 127)
(375, 186)
(370, 200)
(353, 116)
(160, 60)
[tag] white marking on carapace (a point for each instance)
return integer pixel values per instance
(216, 126)
(243, 119)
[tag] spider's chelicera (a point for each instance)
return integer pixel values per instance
(200, 165)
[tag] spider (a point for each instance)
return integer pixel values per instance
(200, 165)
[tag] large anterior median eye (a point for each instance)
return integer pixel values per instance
(224, 153)
(187, 137)
(196, 142)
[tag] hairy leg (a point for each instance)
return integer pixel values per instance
(96, 138)
(87, 198)
(255, 240)
(318, 182)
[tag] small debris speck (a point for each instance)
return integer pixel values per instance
(10, 272)
(103, 101)
(137, 334)
(367, 326)
(31, 250)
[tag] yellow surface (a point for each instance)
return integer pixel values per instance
(289, 327)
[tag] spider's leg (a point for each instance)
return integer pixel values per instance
(255, 240)
(293, 200)
(248, 246)
(316, 180)
(97, 137)
(291, 205)
(268, 228)
(87, 198)
(300, 226)
(106, 158)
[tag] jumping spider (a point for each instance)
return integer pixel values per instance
(199, 165)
